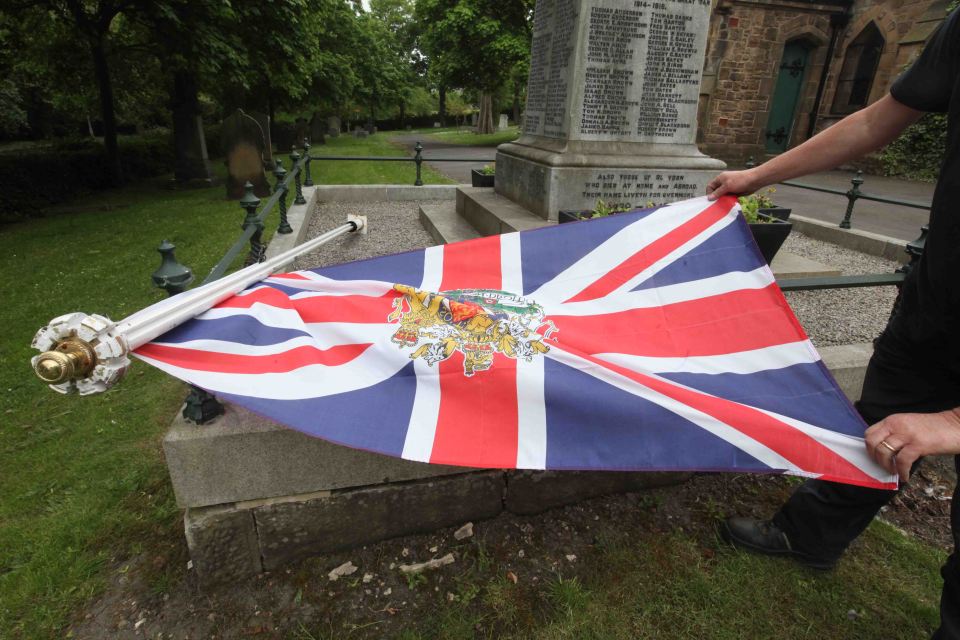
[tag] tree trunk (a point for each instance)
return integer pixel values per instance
(403, 113)
(442, 111)
(485, 120)
(107, 109)
(516, 103)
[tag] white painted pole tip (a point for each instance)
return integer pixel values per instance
(360, 221)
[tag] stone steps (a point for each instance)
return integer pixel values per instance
(492, 214)
(444, 224)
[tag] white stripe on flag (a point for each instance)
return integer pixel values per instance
(323, 336)
(380, 362)
(418, 444)
(722, 430)
(330, 287)
(743, 362)
(615, 250)
(511, 268)
(531, 415)
(432, 269)
(670, 294)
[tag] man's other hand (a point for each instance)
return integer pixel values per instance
(900, 440)
(739, 183)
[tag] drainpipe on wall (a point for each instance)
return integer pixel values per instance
(837, 22)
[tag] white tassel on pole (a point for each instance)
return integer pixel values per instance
(88, 353)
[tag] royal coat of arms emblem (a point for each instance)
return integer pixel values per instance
(478, 323)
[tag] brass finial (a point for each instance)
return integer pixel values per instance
(72, 359)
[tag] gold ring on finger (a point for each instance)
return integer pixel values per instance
(889, 447)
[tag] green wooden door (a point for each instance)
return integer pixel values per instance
(786, 96)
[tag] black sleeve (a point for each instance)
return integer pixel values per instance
(928, 83)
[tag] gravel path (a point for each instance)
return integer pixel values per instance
(840, 316)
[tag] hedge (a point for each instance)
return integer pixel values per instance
(34, 180)
(918, 153)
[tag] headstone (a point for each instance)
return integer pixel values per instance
(263, 120)
(243, 147)
(611, 107)
(192, 161)
(504, 123)
(370, 127)
(301, 130)
(360, 133)
(333, 127)
(409, 127)
(318, 130)
(474, 118)
(436, 125)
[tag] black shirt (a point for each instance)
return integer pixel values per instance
(930, 314)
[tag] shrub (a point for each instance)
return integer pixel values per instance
(35, 179)
(918, 153)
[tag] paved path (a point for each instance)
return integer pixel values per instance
(459, 171)
(886, 219)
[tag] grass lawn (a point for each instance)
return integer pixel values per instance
(467, 138)
(360, 172)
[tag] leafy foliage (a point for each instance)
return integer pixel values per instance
(918, 153)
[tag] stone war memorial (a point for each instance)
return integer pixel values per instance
(611, 107)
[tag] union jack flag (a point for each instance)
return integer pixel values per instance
(650, 340)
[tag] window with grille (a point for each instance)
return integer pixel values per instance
(858, 71)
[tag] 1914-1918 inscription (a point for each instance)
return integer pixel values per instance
(642, 72)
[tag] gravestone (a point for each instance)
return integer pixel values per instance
(263, 120)
(370, 127)
(436, 125)
(333, 127)
(474, 118)
(318, 130)
(301, 130)
(504, 123)
(243, 147)
(611, 107)
(192, 162)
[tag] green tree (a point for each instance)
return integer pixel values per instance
(474, 45)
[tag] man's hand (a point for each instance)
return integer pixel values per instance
(740, 183)
(912, 436)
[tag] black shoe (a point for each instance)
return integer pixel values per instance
(762, 536)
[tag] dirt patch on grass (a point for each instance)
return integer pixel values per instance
(506, 573)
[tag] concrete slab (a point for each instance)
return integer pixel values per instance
(867, 242)
(445, 225)
(241, 456)
(536, 491)
(294, 530)
(848, 364)
(223, 544)
(385, 192)
(299, 216)
(788, 265)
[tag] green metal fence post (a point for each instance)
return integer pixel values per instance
(199, 406)
(751, 163)
(915, 249)
(418, 158)
(249, 202)
(852, 196)
(280, 173)
(171, 276)
(295, 159)
(307, 179)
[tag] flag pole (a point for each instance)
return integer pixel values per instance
(88, 353)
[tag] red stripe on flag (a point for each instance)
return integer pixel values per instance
(474, 264)
(312, 309)
(198, 360)
(796, 446)
(477, 421)
(737, 321)
(655, 251)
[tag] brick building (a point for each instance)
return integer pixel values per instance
(776, 72)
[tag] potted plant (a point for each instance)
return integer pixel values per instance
(602, 210)
(769, 231)
(766, 206)
(483, 177)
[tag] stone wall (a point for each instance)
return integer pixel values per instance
(747, 39)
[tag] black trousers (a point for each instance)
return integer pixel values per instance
(822, 518)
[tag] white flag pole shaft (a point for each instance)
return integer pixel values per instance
(88, 353)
